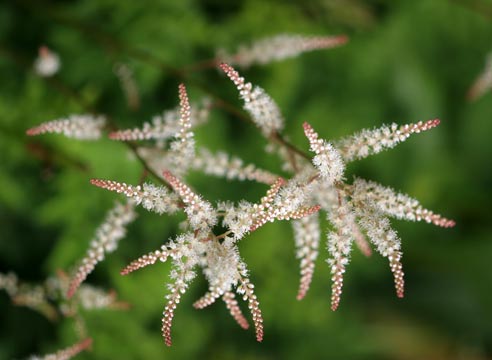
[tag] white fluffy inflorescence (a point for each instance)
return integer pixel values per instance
(81, 127)
(262, 108)
(358, 213)
(280, 47)
(218, 256)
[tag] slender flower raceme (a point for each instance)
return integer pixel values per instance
(262, 108)
(369, 142)
(235, 310)
(280, 47)
(386, 241)
(307, 236)
(166, 125)
(112, 230)
(339, 245)
(81, 127)
(398, 205)
(67, 353)
(151, 197)
(182, 150)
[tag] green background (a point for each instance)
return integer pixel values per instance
(406, 61)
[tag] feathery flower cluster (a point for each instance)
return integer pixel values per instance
(279, 47)
(81, 127)
(358, 213)
(262, 108)
(220, 261)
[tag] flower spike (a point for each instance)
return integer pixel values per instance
(281, 47)
(263, 110)
(81, 127)
(369, 142)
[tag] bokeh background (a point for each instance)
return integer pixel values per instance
(406, 61)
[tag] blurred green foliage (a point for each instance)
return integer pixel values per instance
(406, 61)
